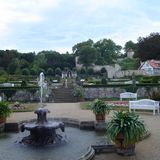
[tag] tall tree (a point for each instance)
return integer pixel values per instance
(87, 56)
(108, 50)
(149, 47)
(77, 48)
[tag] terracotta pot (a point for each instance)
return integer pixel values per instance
(2, 120)
(124, 150)
(129, 150)
(100, 117)
(80, 99)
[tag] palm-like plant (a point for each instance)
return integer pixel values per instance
(126, 129)
(5, 111)
(99, 107)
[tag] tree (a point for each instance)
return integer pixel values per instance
(58, 71)
(104, 72)
(29, 57)
(13, 66)
(26, 71)
(33, 72)
(149, 47)
(24, 64)
(78, 47)
(50, 72)
(24, 83)
(87, 56)
(108, 50)
(39, 62)
(130, 45)
(7, 57)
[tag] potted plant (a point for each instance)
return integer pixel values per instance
(100, 109)
(5, 111)
(125, 129)
(78, 92)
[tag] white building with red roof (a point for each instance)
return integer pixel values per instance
(151, 67)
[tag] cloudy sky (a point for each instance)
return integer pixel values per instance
(35, 25)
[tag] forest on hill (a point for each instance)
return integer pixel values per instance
(102, 52)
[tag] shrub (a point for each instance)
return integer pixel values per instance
(99, 107)
(58, 71)
(103, 81)
(129, 64)
(103, 70)
(131, 88)
(82, 71)
(129, 125)
(24, 83)
(155, 95)
(5, 110)
(149, 79)
(50, 71)
(25, 71)
(78, 91)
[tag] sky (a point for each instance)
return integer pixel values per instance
(36, 25)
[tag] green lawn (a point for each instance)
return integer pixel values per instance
(86, 106)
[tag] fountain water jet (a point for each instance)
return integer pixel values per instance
(41, 84)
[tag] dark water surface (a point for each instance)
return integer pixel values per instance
(77, 143)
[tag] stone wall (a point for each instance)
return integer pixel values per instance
(111, 69)
(114, 92)
(29, 96)
(126, 73)
(92, 93)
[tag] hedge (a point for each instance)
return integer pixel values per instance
(19, 88)
(122, 85)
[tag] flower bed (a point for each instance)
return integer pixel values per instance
(118, 103)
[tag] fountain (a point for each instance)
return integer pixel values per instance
(42, 132)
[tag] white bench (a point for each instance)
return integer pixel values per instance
(144, 104)
(128, 95)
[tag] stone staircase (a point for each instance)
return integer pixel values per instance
(63, 95)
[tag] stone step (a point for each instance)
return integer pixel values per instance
(63, 95)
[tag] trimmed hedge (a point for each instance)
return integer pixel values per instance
(106, 85)
(19, 88)
(122, 85)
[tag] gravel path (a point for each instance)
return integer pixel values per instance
(148, 149)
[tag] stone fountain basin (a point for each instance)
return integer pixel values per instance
(77, 144)
(48, 124)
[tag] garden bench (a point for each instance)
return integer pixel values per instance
(128, 95)
(144, 104)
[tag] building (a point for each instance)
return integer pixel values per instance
(151, 67)
(130, 53)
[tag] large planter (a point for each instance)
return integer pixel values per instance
(2, 120)
(128, 150)
(100, 117)
(2, 124)
(80, 99)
